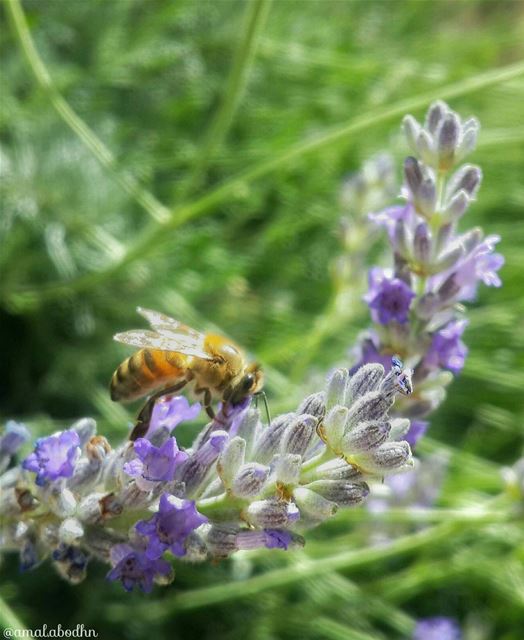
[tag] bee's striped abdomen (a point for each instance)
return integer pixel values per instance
(145, 371)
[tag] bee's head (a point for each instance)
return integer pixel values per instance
(250, 383)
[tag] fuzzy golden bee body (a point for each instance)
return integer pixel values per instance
(172, 355)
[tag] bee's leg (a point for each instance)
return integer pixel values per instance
(144, 417)
(206, 400)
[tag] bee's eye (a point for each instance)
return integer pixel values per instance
(247, 381)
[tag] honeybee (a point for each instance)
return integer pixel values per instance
(171, 356)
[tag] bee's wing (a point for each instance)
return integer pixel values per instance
(189, 345)
(164, 324)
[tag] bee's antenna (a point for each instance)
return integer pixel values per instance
(263, 394)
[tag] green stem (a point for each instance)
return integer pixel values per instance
(255, 18)
(9, 619)
(221, 507)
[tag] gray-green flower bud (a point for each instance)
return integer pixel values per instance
(336, 388)
(298, 434)
(366, 379)
(366, 436)
(343, 493)
(250, 480)
(230, 460)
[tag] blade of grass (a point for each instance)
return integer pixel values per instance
(9, 620)
(328, 628)
(255, 17)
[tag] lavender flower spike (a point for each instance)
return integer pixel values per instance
(433, 267)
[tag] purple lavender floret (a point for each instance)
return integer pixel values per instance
(268, 538)
(54, 457)
(416, 430)
(13, 438)
(388, 298)
(480, 264)
(133, 567)
(278, 539)
(169, 413)
(438, 628)
(367, 352)
(175, 519)
(447, 349)
(389, 217)
(155, 464)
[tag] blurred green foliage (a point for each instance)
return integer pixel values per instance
(239, 121)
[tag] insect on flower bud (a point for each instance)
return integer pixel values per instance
(397, 380)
